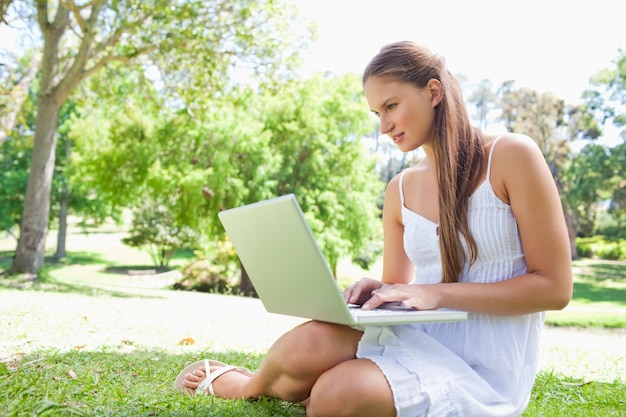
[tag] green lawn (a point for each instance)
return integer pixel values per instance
(125, 376)
(109, 383)
(599, 296)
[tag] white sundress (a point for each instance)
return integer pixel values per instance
(482, 367)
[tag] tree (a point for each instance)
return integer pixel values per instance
(608, 100)
(154, 228)
(246, 146)
(67, 191)
(539, 116)
(196, 41)
(585, 180)
(14, 158)
(14, 84)
(617, 187)
(317, 129)
(484, 99)
(606, 103)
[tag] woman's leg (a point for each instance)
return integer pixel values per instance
(354, 388)
(292, 365)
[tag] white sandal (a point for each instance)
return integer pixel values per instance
(210, 376)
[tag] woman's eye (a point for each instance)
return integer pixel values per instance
(391, 106)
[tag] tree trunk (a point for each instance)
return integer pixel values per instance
(63, 212)
(34, 226)
(62, 236)
(572, 231)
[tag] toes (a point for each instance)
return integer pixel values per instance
(192, 379)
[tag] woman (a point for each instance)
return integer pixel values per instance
(477, 226)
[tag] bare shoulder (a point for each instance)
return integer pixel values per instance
(516, 160)
(512, 145)
(392, 206)
(393, 188)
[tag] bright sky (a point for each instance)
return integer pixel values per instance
(547, 45)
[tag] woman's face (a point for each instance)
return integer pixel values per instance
(406, 112)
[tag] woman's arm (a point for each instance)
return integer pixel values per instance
(397, 268)
(520, 177)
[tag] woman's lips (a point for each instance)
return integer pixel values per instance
(397, 138)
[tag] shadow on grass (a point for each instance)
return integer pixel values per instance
(138, 269)
(92, 258)
(85, 285)
(73, 258)
(600, 281)
(590, 293)
(77, 258)
(45, 283)
(601, 270)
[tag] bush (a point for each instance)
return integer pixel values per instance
(584, 249)
(154, 228)
(211, 271)
(614, 231)
(369, 255)
(601, 248)
(204, 276)
(610, 251)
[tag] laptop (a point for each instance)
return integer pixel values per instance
(290, 274)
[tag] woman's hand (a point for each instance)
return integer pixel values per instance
(418, 297)
(361, 291)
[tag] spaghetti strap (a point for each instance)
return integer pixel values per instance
(493, 145)
(400, 186)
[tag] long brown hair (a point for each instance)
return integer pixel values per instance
(458, 146)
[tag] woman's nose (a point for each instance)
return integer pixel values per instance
(385, 125)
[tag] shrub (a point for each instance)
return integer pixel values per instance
(211, 271)
(584, 249)
(601, 248)
(610, 251)
(154, 228)
(203, 275)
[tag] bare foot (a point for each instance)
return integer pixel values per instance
(229, 385)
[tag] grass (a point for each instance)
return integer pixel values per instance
(599, 298)
(82, 343)
(110, 383)
(554, 396)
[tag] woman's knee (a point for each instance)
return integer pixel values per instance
(315, 343)
(299, 357)
(352, 388)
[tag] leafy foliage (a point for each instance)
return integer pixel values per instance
(317, 129)
(608, 99)
(212, 272)
(243, 148)
(584, 182)
(196, 44)
(154, 227)
(14, 159)
(538, 116)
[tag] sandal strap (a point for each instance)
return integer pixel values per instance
(212, 376)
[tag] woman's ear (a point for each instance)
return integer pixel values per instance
(436, 91)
